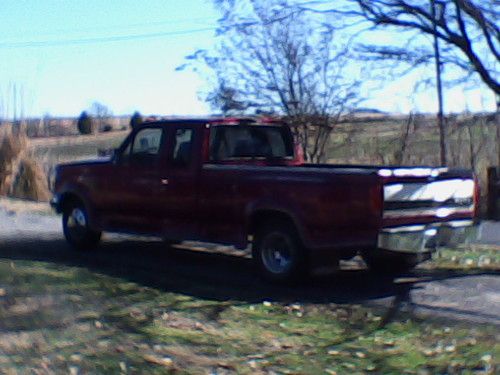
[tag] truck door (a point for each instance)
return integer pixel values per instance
(179, 184)
(135, 182)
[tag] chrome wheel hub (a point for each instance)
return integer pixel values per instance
(77, 224)
(277, 253)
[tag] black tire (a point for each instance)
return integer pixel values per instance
(76, 227)
(390, 263)
(278, 252)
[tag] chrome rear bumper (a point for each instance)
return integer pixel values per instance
(425, 238)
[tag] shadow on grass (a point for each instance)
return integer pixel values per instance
(222, 277)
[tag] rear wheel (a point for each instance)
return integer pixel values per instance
(278, 252)
(76, 227)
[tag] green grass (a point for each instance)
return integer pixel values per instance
(468, 257)
(60, 319)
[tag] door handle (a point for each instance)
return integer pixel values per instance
(164, 181)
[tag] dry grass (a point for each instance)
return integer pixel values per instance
(11, 149)
(30, 182)
(20, 174)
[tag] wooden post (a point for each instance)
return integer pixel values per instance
(439, 85)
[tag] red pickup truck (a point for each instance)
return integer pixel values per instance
(241, 182)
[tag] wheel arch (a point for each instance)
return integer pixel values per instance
(263, 215)
(70, 196)
(67, 198)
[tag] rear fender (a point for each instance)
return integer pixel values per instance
(263, 210)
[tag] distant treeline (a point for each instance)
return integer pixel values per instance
(61, 126)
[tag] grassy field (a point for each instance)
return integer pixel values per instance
(63, 319)
(51, 151)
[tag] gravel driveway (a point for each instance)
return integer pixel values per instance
(461, 296)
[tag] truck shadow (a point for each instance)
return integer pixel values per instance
(220, 277)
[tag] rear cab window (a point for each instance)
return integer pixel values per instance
(233, 142)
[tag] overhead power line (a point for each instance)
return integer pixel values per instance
(118, 38)
(121, 38)
(117, 27)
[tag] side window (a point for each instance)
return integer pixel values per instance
(182, 149)
(145, 148)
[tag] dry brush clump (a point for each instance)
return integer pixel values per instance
(20, 174)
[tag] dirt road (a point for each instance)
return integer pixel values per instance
(219, 276)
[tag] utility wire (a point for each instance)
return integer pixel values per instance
(121, 27)
(120, 38)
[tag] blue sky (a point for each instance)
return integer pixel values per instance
(126, 75)
(137, 74)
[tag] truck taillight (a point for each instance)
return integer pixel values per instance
(299, 153)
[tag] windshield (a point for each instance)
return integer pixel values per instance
(250, 141)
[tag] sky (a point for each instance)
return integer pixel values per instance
(128, 72)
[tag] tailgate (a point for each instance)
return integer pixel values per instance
(427, 207)
(426, 195)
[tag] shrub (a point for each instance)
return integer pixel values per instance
(84, 123)
(136, 120)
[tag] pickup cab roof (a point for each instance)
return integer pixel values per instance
(216, 121)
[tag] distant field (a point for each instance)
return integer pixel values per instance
(472, 144)
(51, 151)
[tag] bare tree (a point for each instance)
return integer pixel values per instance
(404, 138)
(272, 58)
(101, 116)
(467, 29)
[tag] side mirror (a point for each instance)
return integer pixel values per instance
(111, 153)
(107, 152)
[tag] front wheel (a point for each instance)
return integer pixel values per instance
(278, 252)
(76, 228)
